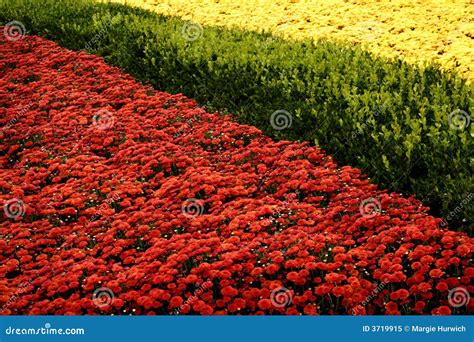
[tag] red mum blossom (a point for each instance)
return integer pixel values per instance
(293, 276)
(391, 307)
(424, 287)
(310, 309)
(399, 294)
(436, 273)
(419, 306)
(334, 278)
(272, 269)
(441, 311)
(264, 304)
(240, 303)
(176, 301)
(206, 310)
(463, 250)
(229, 291)
(338, 291)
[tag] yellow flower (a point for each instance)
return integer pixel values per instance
(418, 31)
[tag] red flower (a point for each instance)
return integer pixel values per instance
(334, 278)
(322, 290)
(338, 291)
(264, 304)
(206, 310)
(441, 311)
(176, 301)
(424, 287)
(419, 306)
(469, 272)
(399, 294)
(310, 309)
(229, 291)
(463, 250)
(442, 286)
(240, 303)
(391, 307)
(272, 269)
(293, 276)
(436, 273)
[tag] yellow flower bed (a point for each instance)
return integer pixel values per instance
(418, 31)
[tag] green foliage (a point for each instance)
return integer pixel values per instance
(386, 117)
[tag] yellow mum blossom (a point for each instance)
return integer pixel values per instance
(416, 30)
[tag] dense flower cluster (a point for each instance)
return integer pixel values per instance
(417, 31)
(115, 186)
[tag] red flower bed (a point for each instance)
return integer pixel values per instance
(120, 199)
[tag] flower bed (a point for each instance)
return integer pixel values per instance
(120, 199)
(408, 129)
(419, 32)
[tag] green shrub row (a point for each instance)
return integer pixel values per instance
(388, 118)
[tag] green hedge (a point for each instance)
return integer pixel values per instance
(386, 117)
